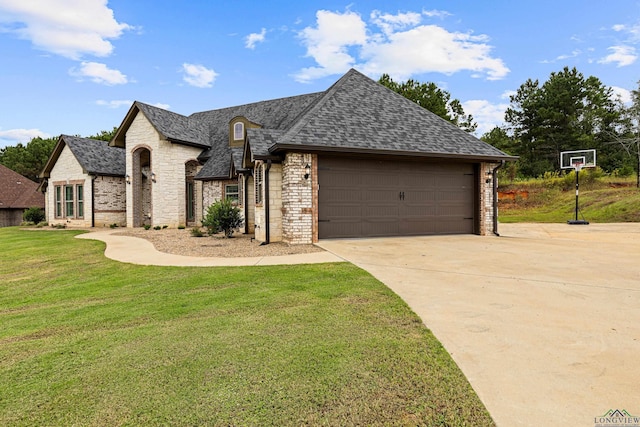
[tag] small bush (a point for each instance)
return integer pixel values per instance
(196, 232)
(146, 226)
(114, 225)
(34, 215)
(181, 227)
(157, 227)
(222, 216)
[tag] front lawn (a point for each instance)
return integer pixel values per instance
(89, 341)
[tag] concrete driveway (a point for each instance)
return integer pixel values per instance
(544, 321)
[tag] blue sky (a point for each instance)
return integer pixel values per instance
(75, 66)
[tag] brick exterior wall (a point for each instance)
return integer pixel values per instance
(110, 201)
(297, 200)
(167, 195)
(486, 198)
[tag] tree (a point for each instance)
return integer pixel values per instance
(567, 112)
(434, 99)
(28, 160)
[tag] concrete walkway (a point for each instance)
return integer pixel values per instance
(135, 250)
(543, 321)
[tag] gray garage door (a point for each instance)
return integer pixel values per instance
(367, 198)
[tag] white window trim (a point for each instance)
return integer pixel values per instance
(237, 137)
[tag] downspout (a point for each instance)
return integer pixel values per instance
(495, 197)
(93, 201)
(266, 202)
(246, 203)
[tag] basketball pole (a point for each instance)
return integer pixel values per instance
(576, 221)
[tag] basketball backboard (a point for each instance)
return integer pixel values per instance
(583, 158)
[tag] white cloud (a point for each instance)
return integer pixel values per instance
(99, 73)
(254, 38)
(632, 31)
(486, 114)
(624, 94)
(198, 75)
(436, 13)
(70, 28)
(401, 47)
(15, 136)
(115, 103)
(621, 55)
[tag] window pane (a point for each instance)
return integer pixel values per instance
(80, 195)
(58, 196)
(231, 192)
(238, 131)
(68, 200)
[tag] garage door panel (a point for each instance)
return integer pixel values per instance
(360, 198)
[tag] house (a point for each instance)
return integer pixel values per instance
(84, 183)
(356, 160)
(17, 194)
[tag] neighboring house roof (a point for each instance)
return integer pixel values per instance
(94, 156)
(18, 192)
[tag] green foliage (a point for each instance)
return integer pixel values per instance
(147, 226)
(28, 160)
(222, 216)
(196, 232)
(34, 214)
(567, 112)
(434, 99)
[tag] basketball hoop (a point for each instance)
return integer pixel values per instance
(577, 166)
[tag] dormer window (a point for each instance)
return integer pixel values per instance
(238, 131)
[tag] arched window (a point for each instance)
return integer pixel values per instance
(238, 131)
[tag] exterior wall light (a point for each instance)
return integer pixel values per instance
(127, 178)
(307, 171)
(153, 176)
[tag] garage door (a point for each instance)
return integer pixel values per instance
(368, 198)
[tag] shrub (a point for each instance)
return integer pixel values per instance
(196, 232)
(34, 215)
(114, 225)
(181, 227)
(157, 227)
(222, 216)
(146, 226)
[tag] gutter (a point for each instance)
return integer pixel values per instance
(266, 203)
(246, 203)
(495, 197)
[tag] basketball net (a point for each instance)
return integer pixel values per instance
(577, 166)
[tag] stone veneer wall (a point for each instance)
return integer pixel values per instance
(110, 201)
(67, 170)
(168, 164)
(486, 198)
(297, 199)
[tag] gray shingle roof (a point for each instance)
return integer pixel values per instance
(359, 113)
(96, 157)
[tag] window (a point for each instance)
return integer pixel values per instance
(238, 131)
(231, 192)
(68, 200)
(58, 201)
(258, 182)
(80, 201)
(191, 202)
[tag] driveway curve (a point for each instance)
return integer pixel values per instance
(544, 321)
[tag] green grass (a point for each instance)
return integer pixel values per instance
(602, 200)
(88, 341)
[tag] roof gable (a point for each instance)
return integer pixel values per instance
(357, 113)
(94, 156)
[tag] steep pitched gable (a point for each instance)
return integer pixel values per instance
(358, 114)
(17, 191)
(94, 156)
